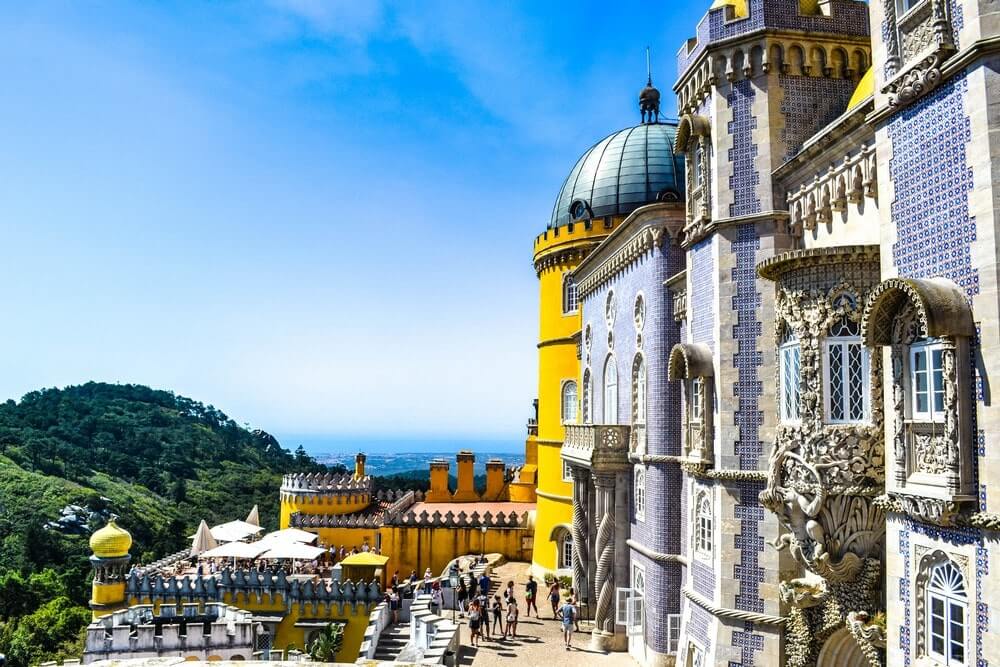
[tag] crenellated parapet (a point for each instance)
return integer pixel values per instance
(325, 483)
(251, 585)
(450, 519)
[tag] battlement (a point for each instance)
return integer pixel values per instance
(568, 237)
(449, 519)
(269, 582)
(839, 18)
(325, 483)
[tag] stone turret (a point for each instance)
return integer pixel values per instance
(359, 465)
(110, 559)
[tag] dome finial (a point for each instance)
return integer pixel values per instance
(649, 97)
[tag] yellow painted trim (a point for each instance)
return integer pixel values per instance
(555, 497)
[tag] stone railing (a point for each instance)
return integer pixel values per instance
(271, 583)
(434, 640)
(355, 520)
(166, 562)
(849, 181)
(402, 502)
(590, 443)
(461, 520)
(378, 620)
(314, 483)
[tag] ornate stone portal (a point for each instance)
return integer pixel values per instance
(826, 468)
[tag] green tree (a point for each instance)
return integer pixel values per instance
(327, 644)
(53, 632)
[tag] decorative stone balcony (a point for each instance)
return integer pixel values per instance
(597, 445)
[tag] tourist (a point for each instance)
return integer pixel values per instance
(394, 605)
(568, 614)
(483, 603)
(473, 585)
(463, 595)
(343, 552)
(475, 622)
(508, 593)
(485, 584)
(365, 548)
(512, 613)
(427, 581)
(531, 596)
(395, 580)
(576, 616)
(437, 596)
(553, 598)
(497, 615)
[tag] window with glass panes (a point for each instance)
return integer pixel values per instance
(695, 391)
(789, 356)
(927, 381)
(640, 391)
(610, 392)
(703, 525)
(845, 374)
(569, 402)
(946, 613)
(640, 493)
(570, 300)
(566, 552)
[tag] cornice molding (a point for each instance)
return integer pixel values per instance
(656, 555)
(702, 228)
(774, 267)
(739, 615)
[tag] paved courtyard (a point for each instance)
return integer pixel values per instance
(539, 641)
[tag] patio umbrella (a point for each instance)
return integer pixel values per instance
(235, 550)
(254, 517)
(290, 535)
(234, 531)
(203, 540)
(293, 551)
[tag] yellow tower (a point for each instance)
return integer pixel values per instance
(557, 252)
(109, 561)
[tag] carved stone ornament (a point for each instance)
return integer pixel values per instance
(639, 312)
(919, 80)
(929, 510)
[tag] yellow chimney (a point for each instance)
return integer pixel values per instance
(466, 489)
(495, 483)
(438, 493)
(359, 465)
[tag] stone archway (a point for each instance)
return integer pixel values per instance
(841, 650)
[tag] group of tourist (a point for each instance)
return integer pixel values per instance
(481, 611)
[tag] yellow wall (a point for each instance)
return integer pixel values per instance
(355, 618)
(110, 597)
(418, 548)
(557, 363)
(322, 504)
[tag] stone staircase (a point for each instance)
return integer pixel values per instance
(392, 640)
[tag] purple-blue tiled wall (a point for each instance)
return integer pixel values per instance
(808, 104)
(701, 294)
(745, 178)
(660, 531)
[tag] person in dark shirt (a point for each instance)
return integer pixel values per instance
(530, 596)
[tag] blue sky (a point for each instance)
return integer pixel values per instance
(316, 216)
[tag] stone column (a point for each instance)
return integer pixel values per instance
(604, 616)
(581, 481)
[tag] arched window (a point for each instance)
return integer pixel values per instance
(570, 301)
(789, 355)
(946, 614)
(927, 380)
(566, 551)
(569, 402)
(845, 373)
(639, 390)
(640, 493)
(587, 393)
(703, 524)
(610, 391)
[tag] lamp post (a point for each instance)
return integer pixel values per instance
(453, 580)
(483, 557)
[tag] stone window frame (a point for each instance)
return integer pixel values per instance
(932, 460)
(928, 562)
(704, 525)
(690, 361)
(694, 136)
(844, 342)
(639, 492)
(570, 295)
(917, 42)
(564, 403)
(639, 404)
(566, 558)
(610, 363)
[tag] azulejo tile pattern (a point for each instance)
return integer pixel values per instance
(702, 293)
(748, 643)
(934, 231)
(747, 360)
(743, 155)
(809, 103)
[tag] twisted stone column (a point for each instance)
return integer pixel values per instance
(580, 537)
(604, 618)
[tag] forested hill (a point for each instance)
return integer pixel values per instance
(69, 457)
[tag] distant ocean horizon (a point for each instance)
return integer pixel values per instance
(324, 445)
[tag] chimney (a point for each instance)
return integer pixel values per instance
(466, 490)
(495, 470)
(359, 466)
(439, 492)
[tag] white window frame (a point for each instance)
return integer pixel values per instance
(950, 601)
(844, 344)
(640, 493)
(640, 392)
(622, 596)
(704, 524)
(567, 471)
(789, 395)
(568, 405)
(934, 386)
(696, 389)
(570, 295)
(566, 552)
(610, 391)
(673, 633)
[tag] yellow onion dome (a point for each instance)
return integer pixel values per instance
(739, 6)
(864, 90)
(111, 541)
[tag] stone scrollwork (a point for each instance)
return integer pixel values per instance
(917, 81)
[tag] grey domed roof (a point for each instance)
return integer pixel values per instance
(620, 173)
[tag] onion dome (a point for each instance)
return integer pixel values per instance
(111, 541)
(625, 170)
(864, 90)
